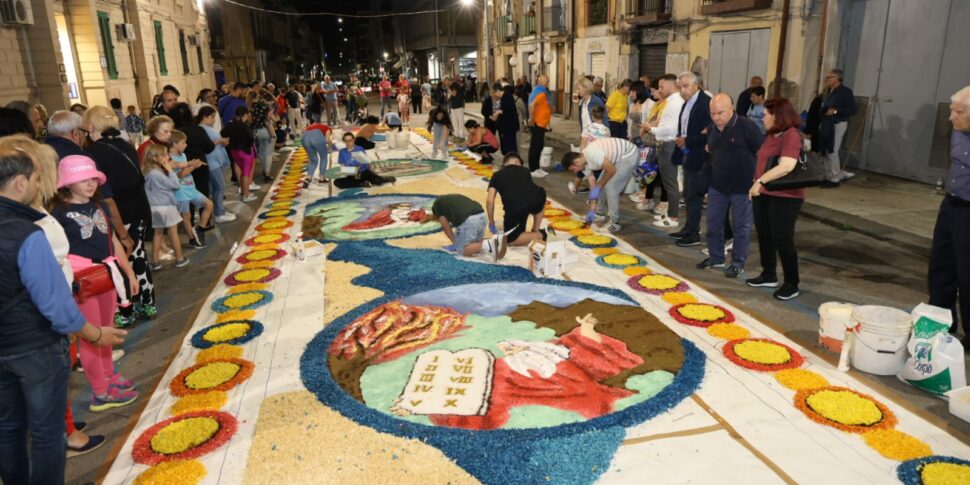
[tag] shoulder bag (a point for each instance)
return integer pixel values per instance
(96, 279)
(808, 172)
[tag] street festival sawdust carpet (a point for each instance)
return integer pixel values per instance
(383, 359)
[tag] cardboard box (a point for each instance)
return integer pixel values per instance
(549, 258)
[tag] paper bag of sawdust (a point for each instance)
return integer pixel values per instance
(935, 362)
(549, 258)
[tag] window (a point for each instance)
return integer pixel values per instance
(160, 49)
(597, 11)
(198, 52)
(104, 24)
(184, 52)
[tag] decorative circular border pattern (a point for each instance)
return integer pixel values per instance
(268, 238)
(619, 260)
(283, 204)
(143, 453)
(675, 312)
(801, 402)
(911, 472)
(247, 300)
(277, 213)
(274, 226)
(566, 225)
(795, 359)
(583, 241)
(258, 255)
(255, 330)
(244, 276)
(180, 389)
(634, 282)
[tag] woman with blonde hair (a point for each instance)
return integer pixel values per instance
(124, 194)
(45, 157)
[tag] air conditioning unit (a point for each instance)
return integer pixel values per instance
(126, 32)
(16, 12)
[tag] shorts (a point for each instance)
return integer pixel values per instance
(165, 216)
(245, 161)
(183, 205)
(517, 216)
(472, 230)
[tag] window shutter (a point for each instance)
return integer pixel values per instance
(104, 25)
(160, 48)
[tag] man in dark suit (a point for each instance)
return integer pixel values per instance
(695, 117)
(744, 99)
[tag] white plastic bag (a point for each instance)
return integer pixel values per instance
(935, 362)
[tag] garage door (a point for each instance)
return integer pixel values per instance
(735, 58)
(597, 64)
(653, 60)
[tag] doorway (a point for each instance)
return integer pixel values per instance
(736, 57)
(69, 54)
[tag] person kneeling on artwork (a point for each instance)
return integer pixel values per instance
(617, 159)
(463, 221)
(353, 156)
(521, 198)
(392, 122)
(481, 140)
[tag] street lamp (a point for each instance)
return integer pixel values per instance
(340, 20)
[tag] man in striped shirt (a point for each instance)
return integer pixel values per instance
(617, 158)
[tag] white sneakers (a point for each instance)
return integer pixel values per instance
(645, 205)
(660, 208)
(227, 217)
(539, 173)
(249, 198)
(637, 197)
(495, 246)
(667, 222)
(253, 186)
(572, 187)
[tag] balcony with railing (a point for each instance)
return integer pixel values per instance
(554, 19)
(641, 12)
(505, 29)
(528, 25)
(716, 7)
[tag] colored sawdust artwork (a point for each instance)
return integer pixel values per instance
(407, 167)
(363, 217)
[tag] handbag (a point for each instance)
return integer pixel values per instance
(96, 279)
(808, 172)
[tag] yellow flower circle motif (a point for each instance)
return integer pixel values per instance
(260, 255)
(242, 300)
(246, 288)
(945, 473)
(187, 472)
(702, 312)
(658, 282)
(275, 224)
(268, 238)
(897, 445)
(286, 204)
(845, 407)
(250, 275)
(277, 213)
(259, 264)
(636, 271)
(552, 212)
(678, 297)
(602, 251)
(592, 239)
(728, 331)
(233, 315)
(211, 375)
(581, 232)
(620, 259)
(762, 352)
(207, 401)
(183, 435)
(219, 352)
(567, 225)
(799, 379)
(225, 333)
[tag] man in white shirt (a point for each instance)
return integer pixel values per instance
(666, 135)
(617, 158)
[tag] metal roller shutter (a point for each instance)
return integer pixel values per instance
(653, 60)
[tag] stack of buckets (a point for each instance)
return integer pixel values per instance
(879, 339)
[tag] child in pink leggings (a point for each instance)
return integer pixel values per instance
(86, 221)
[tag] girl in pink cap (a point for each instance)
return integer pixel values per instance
(79, 209)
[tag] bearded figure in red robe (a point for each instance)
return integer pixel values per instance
(399, 215)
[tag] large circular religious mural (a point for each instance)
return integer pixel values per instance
(363, 217)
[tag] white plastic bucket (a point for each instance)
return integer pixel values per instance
(879, 345)
(545, 159)
(833, 318)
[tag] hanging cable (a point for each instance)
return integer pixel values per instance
(333, 14)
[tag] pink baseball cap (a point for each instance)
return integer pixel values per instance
(77, 168)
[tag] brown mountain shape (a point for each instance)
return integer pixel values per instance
(644, 334)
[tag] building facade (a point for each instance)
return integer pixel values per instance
(90, 51)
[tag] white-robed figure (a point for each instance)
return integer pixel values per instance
(542, 357)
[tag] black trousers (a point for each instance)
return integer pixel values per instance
(536, 144)
(485, 150)
(416, 104)
(507, 140)
(364, 143)
(949, 269)
(774, 219)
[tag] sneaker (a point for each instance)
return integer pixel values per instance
(828, 184)
(323, 182)
(613, 227)
(503, 245)
(227, 217)
(117, 354)
(200, 235)
(147, 312)
(254, 187)
(636, 197)
(166, 257)
(115, 398)
(195, 243)
(733, 272)
(94, 442)
(728, 245)
(489, 247)
(667, 222)
(120, 383)
(306, 184)
(708, 264)
(249, 198)
(572, 187)
(122, 321)
(688, 241)
(582, 190)
(847, 175)
(786, 292)
(156, 266)
(762, 281)
(267, 178)
(599, 219)
(661, 208)
(181, 262)
(679, 234)
(539, 173)
(645, 205)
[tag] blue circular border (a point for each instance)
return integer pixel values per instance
(910, 472)
(255, 330)
(601, 261)
(575, 240)
(218, 305)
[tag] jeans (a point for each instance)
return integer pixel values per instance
(695, 201)
(387, 103)
(833, 161)
(33, 398)
(217, 183)
(614, 188)
(458, 121)
(264, 148)
(333, 114)
(742, 218)
(774, 219)
(949, 269)
(317, 152)
(536, 143)
(351, 109)
(668, 177)
(470, 231)
(439, 141)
